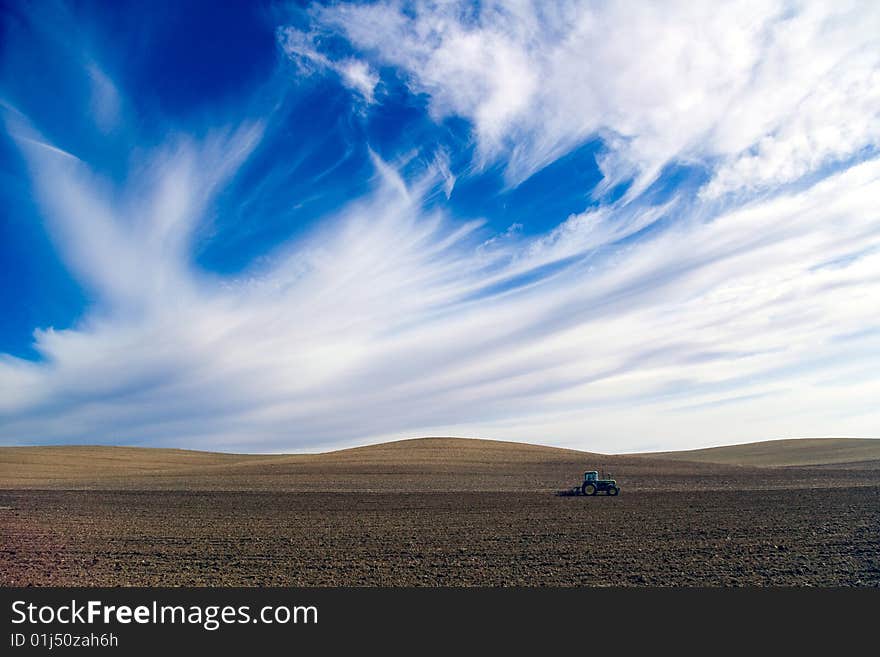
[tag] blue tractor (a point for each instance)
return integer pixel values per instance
(592, 484)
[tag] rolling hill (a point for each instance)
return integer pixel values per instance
(782, 453)
(441, 464)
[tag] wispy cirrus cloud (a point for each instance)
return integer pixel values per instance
(743, 310)
(384, 322)
(302, 49)
(771, 90)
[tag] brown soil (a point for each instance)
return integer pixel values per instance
(792, 452)
(429, 512)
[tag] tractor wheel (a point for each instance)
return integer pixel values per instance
(588, 489)
(613, 490)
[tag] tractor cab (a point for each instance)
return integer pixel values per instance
(591, 475)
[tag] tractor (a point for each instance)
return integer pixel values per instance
(592, 484)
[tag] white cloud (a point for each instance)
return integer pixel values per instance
(106, 103)
(834, 120)
(718, 325)
(355, 74)
(771, 90)
(132, 249)
(358, 75)
(388, 321)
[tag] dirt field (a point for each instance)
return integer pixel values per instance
(792, 452)
(419, 514)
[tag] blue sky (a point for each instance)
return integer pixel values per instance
(299, 226)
